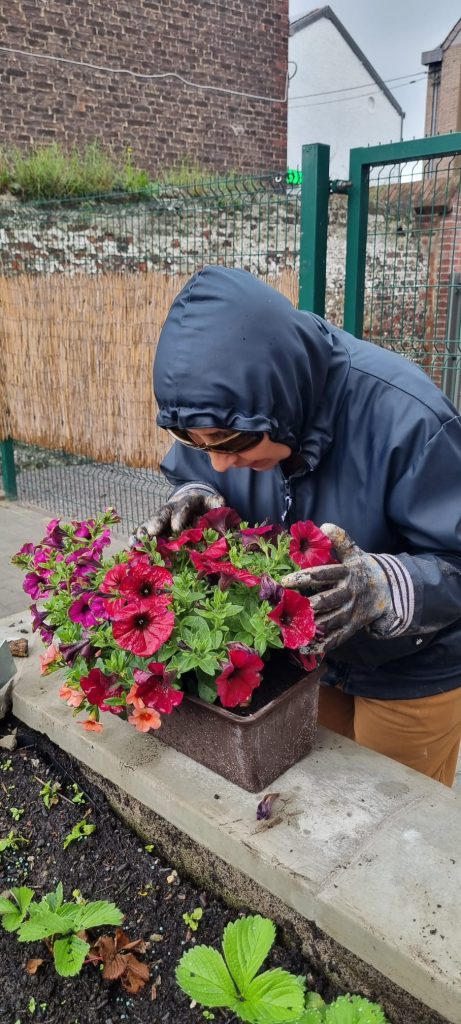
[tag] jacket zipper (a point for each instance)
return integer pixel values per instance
(288, 501)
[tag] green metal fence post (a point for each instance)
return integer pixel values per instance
(315, 190)
(8, 469)
(357, 216)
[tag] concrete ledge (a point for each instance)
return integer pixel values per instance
(368, 850)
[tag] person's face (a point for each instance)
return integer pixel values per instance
(262, 456)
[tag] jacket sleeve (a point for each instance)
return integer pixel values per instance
(425, 504)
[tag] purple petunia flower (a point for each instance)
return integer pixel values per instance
(87, 610)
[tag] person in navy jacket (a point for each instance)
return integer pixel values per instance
(285, 417)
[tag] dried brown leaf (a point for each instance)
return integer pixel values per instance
(33, 965)
(136, 974)
(115, 967)
(153, 993)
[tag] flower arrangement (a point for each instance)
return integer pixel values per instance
(197, 612)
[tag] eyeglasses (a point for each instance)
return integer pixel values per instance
(232, 444)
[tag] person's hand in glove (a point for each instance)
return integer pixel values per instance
(348, 596)
(180, 511)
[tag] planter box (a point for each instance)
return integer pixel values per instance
(253, 749)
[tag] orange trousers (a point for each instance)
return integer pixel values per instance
(424, 733)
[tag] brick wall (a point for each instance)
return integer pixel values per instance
(234, 45)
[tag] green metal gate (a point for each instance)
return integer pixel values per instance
(403, 262)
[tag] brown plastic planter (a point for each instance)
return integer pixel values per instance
(251, 751)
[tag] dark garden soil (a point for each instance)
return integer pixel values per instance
(113, 864)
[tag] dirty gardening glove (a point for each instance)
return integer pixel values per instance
(180, 511)
(355, 593)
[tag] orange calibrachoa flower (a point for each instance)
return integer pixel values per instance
(72, 697)
(144, 719)
(92, 726)
(51, 655)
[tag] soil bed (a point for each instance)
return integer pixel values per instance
(113, 864)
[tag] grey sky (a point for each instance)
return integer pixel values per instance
(393, 35)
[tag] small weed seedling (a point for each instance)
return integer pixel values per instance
(16, 813)
(50, 794)
(78, 797)
(60, 924)
(12, 841)
(192, 920)
(276, 996)
(79, 831)
(6, 766)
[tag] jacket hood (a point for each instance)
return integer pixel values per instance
(234, 353)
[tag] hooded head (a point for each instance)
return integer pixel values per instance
(235, 354)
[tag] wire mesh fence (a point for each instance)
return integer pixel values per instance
(77, 488)
(85, 286)
(413, 266)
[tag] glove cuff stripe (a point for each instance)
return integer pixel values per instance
(402, 590)
(194, 486)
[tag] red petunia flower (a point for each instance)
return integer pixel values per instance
(97, 687)
(240, 676)
(193, 536)
(114, 577)
(230, 572)
(217, 549)
(144, 582)
(309, 545)
(154, 690)
(142, 627)
(219, 519)
(295, 617)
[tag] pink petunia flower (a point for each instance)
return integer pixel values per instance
(143, 628)
(230, 573)
(240, 676)
(144, 719)
(309, 545)
(154, 690)
(295, 617)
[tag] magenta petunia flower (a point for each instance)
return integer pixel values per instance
(295, 617)
(87, 610)
(240, 676)
(251, 536)
(270, 590)
(154, 688)
(309, 545)
(97, 687)
(144, 582)
(219, 519)
(142, 628)
(55, 536)
(36, 584)
(39, 624)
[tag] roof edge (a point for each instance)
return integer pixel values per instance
(326, 12)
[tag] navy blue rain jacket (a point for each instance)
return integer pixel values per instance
(381, 447)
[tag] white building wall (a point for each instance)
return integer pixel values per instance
(326, 62)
